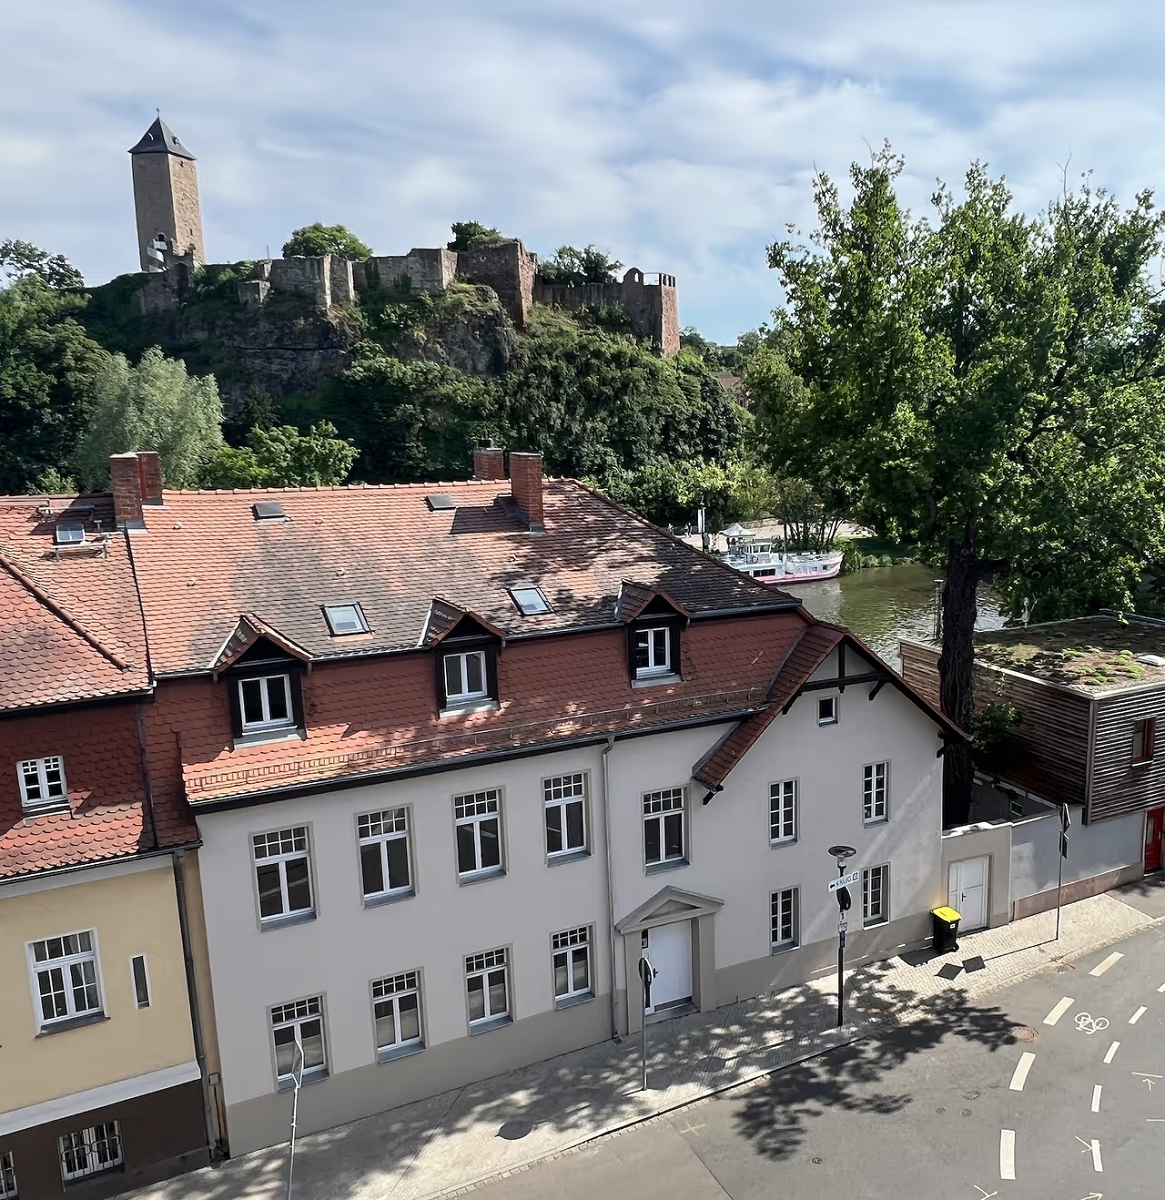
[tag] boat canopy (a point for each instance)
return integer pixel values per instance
(736, 530)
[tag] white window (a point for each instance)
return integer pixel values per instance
(65, 970)
(565, 799)
(141, 981)
(572, 964)
(90, 1151)
(488, 989)
(663, 826)
(465, 677)
(785, 919)
(783, 811)
(299, 1024)
(827, 710)
(265, 702)
(384, 853)
(345, 619)
(396, 1008)
(875, 895)
(42, 783)
(7, 1176)
(282, 873)
(479, 834)
(874, 788)
(652, 651)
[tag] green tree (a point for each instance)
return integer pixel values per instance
(472, 235)
(282, 457)
(47, 370)
(319, 239)
(569, 265)
(986, 382)
(152, 406)
(18, 259)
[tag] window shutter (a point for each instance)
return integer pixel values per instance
(295, 683)
(439, 674)
(673, 633)
(1150, 736)
(232, 684)
(631, 651)
(491, 672)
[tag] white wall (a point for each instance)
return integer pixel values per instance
(1092, 850)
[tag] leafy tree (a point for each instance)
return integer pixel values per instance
(318, 239)
(569, 265)
(692, 339)
(987, 382)
(47, 369)
(152, 406)
(18, 259)
(282, 457)
(472, 235)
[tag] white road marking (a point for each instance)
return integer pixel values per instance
(1019, 1078)
(1094, 1146)
(1059, 1010)
(1161, 988)
(1138, 1015)
(1112, 1052)
(983, 1195)
(1112, 960)
(1096, 1098)
(1007, 1154)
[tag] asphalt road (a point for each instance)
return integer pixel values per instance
(929, 1113)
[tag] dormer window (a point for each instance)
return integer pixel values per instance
(652, 651)
(265, 703)
(654, 626)
(42, 784)
(465, 677)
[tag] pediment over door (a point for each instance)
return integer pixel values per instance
(667, 905)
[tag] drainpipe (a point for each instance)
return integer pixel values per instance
(610, 881)
(214, 1144)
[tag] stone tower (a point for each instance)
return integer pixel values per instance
(165, 193)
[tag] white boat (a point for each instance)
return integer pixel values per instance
(758, 558)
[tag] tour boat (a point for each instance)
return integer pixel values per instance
(758, 558)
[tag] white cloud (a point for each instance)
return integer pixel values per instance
(679, 136)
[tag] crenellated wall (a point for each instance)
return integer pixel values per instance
(652, 307)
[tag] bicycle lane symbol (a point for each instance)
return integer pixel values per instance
(1086, 1023)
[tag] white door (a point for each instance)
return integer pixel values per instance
(968, 892)
(669, 949)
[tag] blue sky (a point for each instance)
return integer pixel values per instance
(678, 136)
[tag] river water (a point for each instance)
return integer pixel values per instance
(882, 604)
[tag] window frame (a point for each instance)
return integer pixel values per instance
(665, 863)
(412, 984)
(783, 945)
(284, 1083)
(562, 802)
(133, 982)
(268, 724)
(870, 813)
(8, 1184)
(91, 1137)
(835, 714)
(463, 698)
(1144, 730)
(479, 872)
(280, 860)
(653, 670)
(361, 619)
(580, 937)
(45, 803)
(489, 1020)
(782, 838)
(382, 839)
(882, 917)
(72, 1017)
(537, 612)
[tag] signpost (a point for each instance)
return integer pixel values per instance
(840, 887)
(1065, 825)
(646, 973)
(844, 880)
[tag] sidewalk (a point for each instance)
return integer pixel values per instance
(450, 1142)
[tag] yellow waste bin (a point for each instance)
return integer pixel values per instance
(946, 929)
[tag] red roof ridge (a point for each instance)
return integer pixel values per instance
(338, 487)
(60, 613)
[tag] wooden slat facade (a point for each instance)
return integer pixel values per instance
(1118, 785)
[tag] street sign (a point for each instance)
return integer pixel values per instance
(844, 880)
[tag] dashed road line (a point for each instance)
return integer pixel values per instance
(1096, 1098)
(1138, 1015)
(1019, 1078)
(1161, 988)
(1007, 1154)
(1112, 1052)
(1094, 1147)
(1112, 960)
(1060, 1009)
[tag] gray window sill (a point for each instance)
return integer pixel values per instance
(309, 1077)
(263, 737)
(287, 919)
(480, 876)
(671, 864)
(574, 1001)
(567, 856)
(827, 724)
(381, 898)
(783, 948)
(874, 922)
(875, 821)
(470, 706)
(45, 810)
(392, 1053)
(642, 681)
(71, 1023)
(488, 1026)
(778, 843)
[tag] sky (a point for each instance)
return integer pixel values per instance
(679, 137)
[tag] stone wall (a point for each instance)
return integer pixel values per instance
(509, 269)
(430, 271)
(308, 276)
(652, 307)
(165, 190)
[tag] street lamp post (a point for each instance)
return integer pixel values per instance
(841, 854)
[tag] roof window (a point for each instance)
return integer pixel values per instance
(345, 618)
(268, 510)
(441, 502)
(69, 535)
(530, 601)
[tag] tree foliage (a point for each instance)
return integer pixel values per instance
(569, 265)
(152, 406)
(472, 235)
(983, 381)
(319, 239)
(18, 259)
(282, 457)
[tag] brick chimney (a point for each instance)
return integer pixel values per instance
(488, 461)
(526, 487)
(150, 476)
(126, 478)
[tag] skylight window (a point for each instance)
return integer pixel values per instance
(69, 535)
(267, 510)
(345, 618)
(530, 601)
(441, 502)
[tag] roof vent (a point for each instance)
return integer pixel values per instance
(441, 503)
(1151, 660)
(268, 510)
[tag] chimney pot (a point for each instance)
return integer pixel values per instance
(526, 487)
(488, 461)
(126, 481)
(150, 476)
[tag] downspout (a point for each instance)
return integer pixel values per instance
(212, 1141)
(610, 881)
